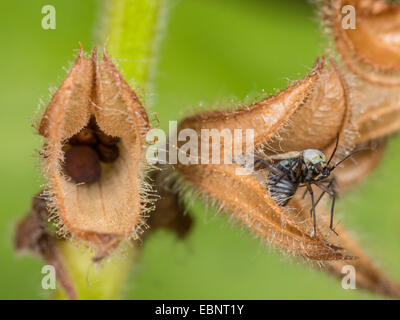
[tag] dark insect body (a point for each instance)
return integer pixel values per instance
(302, 169)
(282, 189)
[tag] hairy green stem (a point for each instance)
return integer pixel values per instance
(131, 29)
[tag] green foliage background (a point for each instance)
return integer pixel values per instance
(213, 50)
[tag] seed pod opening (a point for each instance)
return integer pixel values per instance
(94, 127)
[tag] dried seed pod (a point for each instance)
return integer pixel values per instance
(118, 104)
(324, 115)
(169, 212)
(264, 117)
(110, 209)
(360, 166)
(107, 153)
(377, 111)
(309, 114)
(72, 99)
(82, 164)
(250, 204)
(371, 49)
(368, 275)
(33, 235)
(371, 61)
(312, 113)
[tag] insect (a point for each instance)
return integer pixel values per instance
(302, 169)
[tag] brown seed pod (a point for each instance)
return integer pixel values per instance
(110, 208)
(324, 115)
(69, 108)
(250, 204)
(33, 235)
(170, 212)
(264, 117)
(377, 111)
(360, 166)
(370, 57)
(107, 153)
(311, 113)
(369, 276)
(82, 164)
(370, 50)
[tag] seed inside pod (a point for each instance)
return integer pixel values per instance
(85, 136)
(106, 139)
(82, 164)
(107, 153)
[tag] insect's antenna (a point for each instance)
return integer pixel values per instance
(334, 150)
(345, 158)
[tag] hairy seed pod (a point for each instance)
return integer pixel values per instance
(33, 235)
(308, 114)
(366, 34)
(82, 164)
(303, 115)
(370, 47)
(107, 208)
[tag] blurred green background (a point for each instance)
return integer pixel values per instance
(213, 49)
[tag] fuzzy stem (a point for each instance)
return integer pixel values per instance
(95, 281)
(131, 30)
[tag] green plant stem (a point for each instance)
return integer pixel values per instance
(131, 30)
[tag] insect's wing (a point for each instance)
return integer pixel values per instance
(268, 165)
(284, 156)
(268, 161)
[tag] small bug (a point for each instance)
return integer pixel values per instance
(302, 169)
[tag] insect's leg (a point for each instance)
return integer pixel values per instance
(331, 191)
(305, 191)
(309, 188)
(319, 198)
(330, 186)
(323, 179)
(304, 194)
(332, 211)
(331, 181)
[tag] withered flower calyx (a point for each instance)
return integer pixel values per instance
(311, 113)
(94, 128)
